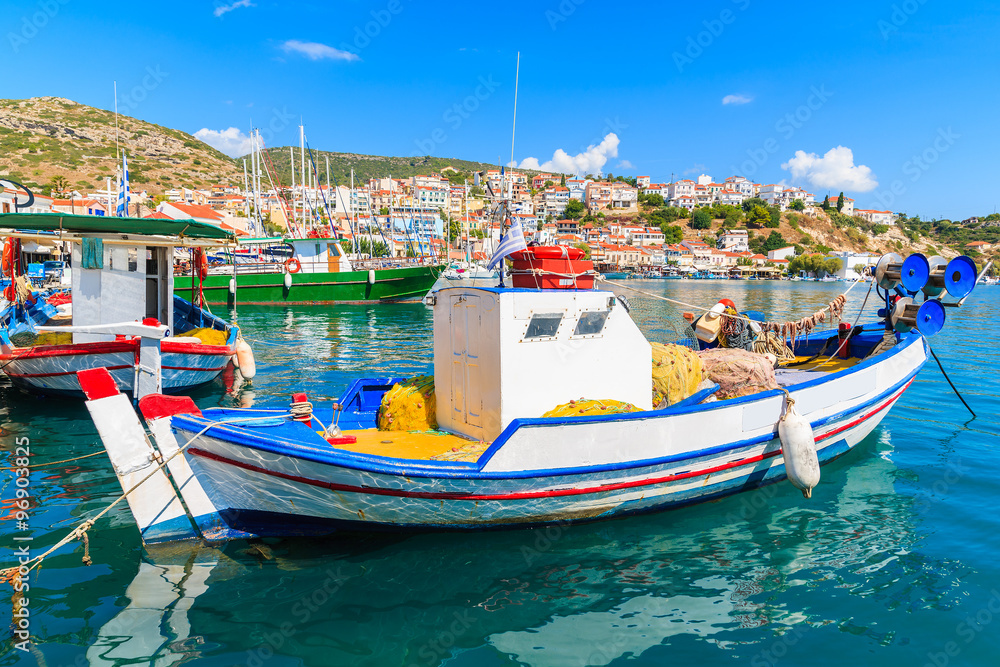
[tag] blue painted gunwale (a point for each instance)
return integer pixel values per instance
(446, 469)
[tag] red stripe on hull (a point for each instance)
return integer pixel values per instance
(528, 495)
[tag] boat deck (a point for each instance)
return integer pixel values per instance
(415, 445)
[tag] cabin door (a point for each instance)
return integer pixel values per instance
(466, 376)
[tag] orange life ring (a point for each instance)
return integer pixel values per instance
(201, 263)
(8, 257)
(293, 265)
(9, 293)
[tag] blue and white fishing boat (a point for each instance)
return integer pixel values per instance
(502, 358)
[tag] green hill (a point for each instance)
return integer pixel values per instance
(371, 166)
(45, 137)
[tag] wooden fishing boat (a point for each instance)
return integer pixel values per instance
(502, 359)
(127, 277)
(309, 271)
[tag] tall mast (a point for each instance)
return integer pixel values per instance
(328, 190)
(294, 221)
(302, 152)
(517, 76)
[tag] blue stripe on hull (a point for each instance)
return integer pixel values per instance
(256, 523)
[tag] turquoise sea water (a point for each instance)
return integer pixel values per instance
(894, 561)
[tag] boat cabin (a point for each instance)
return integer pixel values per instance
(320, 255)
(503, 354)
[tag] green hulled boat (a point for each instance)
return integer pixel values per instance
(308, 271)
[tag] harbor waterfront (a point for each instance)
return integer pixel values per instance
(890, 562)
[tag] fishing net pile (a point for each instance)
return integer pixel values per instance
(206, 335)
(589, 407)
(677, 372)
(737, 372)
(409, 406)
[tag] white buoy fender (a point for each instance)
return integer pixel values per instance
(245, 360)
(288, 281)
(232, 285)
(798, 447)
(371, 276)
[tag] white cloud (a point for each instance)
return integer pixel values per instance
(736, 99)
(591, 161)
(697, 168)
(835, 170)
(317, 51)
(625, 164)
(223, 9)
(232, 142)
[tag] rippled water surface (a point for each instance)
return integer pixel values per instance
(892, 562)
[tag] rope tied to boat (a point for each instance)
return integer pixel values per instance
(301, 410)
(16, 573)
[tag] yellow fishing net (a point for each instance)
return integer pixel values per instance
(586, 408)
(409, 406)
(206, 336)
(53, 338)
(677, 372)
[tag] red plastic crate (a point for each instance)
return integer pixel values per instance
(552, 273)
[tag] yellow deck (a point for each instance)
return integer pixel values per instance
(415, 445)
(831, 366)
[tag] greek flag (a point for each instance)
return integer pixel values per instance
(124, 198)
(512, 241)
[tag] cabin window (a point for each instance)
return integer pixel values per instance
(133, 260)
(591, 323)
(318, 251)
(543, 325)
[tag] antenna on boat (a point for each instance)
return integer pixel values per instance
(513, 130)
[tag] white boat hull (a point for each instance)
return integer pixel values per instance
(52, 369)
(540, 470)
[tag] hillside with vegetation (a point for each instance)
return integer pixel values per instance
(372, 166)
(51, 142)
(819, 232)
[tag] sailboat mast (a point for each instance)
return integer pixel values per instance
(302, 153)
(291, 161)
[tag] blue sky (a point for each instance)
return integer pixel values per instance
(893, 102)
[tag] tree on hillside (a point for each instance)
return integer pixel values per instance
(562, 180)
(671, 233)
(59, 184)
(797, 205)
(549, 184)
(774, 241)
(574, 209)
(826, 203)
(840, 202)
(758, 216)
(584, 247)
(775, 220)
(832, 265)
(701, 219)
(654, 199)
(744, 261)
(748, 204)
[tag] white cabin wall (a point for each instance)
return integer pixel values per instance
(108, 295)
(537, 376)
(515, 378)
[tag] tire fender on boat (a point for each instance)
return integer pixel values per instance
(245, 360)
(798, 447)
